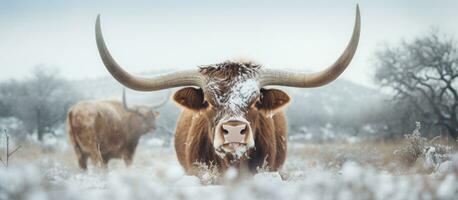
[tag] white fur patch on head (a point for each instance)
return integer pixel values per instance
(241, 94)
(241, 90)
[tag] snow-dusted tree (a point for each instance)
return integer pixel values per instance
(40, 102)
(424, 72)
(8, 90)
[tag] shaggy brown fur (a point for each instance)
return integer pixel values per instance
(103, 130)
(204, 107)
(229, 69)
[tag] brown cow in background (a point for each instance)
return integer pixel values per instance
(230, 118)
(103, 130)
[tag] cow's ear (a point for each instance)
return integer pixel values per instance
(272, 99)
(190, 98)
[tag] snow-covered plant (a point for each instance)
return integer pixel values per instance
(264, 167)
(437, 153)
(416, 147)
(208, 174)
(413, 148)
(8, 151)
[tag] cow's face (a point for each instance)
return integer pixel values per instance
(145, 118)
(232, 101)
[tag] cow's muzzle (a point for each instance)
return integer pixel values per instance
(233, 137)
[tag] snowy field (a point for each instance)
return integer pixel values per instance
(338, 170)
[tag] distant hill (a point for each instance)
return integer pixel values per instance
(340, 108)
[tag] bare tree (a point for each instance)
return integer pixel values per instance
(9, 90)
(424, 73)
(40, 102)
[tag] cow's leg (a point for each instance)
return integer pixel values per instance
(98, 160)
(82, 159)
(94, 159)
(101, 158)
(128, 158)
(80, 156)
(129, 153)
(104, 161)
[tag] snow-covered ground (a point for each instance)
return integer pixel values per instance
(312, 171)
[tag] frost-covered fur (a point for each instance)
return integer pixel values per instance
(231, 86)
(231, 92)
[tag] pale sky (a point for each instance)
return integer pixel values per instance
(149, 35)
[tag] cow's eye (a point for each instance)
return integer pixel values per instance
(225, 132)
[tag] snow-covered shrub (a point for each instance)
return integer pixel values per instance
(436, 153)
(208, 174)
(264, 167)
(417, 149)
(413, 148)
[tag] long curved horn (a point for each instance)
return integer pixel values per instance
(124, 101)
(166, 99)
(157, 82)
(294, 79)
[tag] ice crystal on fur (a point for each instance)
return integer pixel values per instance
(234, 85)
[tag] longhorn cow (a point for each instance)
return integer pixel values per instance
(229, 117)
(102, 130)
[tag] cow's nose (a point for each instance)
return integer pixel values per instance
(234, 131)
